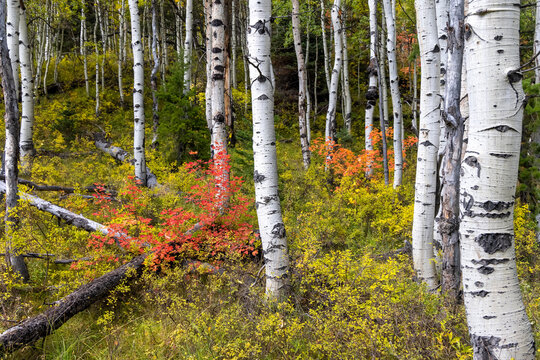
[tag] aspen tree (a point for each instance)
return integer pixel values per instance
(138, 93)
(330, 130)
(326, 63)
(496, 317)
(121, 50)
(372, 93)
(346, 81)
(83, 40)
(428, 142)
(188, 40)
(272, 228)
(302, 84)
(153, 76)
(26, 142)
(394, 89)
(208, 43)
(233, 44)
(450, 166)
(11, 120)
(12, 28)
(536, 44)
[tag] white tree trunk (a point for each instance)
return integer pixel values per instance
(394, 90)
(536, 45)
(188, 40)
(11, 120)
(153, 76)
(12, 27)
(96, 50)
(27, 95)
(121, 40)
(372, 93)
(428, 142)
(83, 47)
(233, 44)
(498, 324)
(302, 83)
(330, 130)
(138, 93)
(272, 229)
(442, 21)
(325, 46)
(208, 42)
(217, 97)
(346, 82)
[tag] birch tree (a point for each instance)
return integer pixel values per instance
(302, 84)
(330, 131)
(11, 120)
(428, 142)
(536, 45)
(346, 80)
(153, 76)
(272, 228)
(12, 27)
(27, 94)
(394, 89)
(325, 47)
(449, 223)
(372, 93)
(188, 40)
(498, 324)
(83, 40)
(138, 93)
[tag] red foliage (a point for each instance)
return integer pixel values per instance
(215, 205)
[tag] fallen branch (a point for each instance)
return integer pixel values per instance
(61, 213)
(122, 155)
(48, 256)
(66, 189)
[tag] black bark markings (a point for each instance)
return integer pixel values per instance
(494, 242)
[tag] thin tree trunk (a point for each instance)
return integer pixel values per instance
(138, 94)
(330, 130)
(26, 143)
(382, 123)
(449, 223)
(164, 47)
(272, 229)
(415, 98)
(394, 89)
(12, 27)
(11, 119)
(153, 76)
(188, 45)
(208, 91)
(346, 81)
(536, 45)
(496, 317)
(233, 44)
(372, 93)
(428, 142)
(302, 83)
(83, 47)
(96, 50)
(121, 40)
(325, 46)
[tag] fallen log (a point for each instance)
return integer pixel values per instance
(66, 189)
(61, 213)
(49, 256)
(122, 155)
(32, 329)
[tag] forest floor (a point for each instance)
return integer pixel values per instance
(351, 297)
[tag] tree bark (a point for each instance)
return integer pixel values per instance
(11, 118)
(138, 94)
(372, 93)
(394, 90)
(12, 27)
(153, 76)
(83, 41)
(302, 84)
(331, 128)
(346, 80)
(428, 142)
(325, 47)
(272, 229)
(188, 40)
(26, 142)
(496, 317)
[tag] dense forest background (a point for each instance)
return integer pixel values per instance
(352, 289)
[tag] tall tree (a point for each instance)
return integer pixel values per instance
(27, 94)
(330, 131)
(138, 93)
(428, 142)
(498, 324)
(302, 84)
(372, 93)
(11, 119)
(394, 89)
(347, 99)
(188, 40)
(450, 166)
(153, 75)
(12, 26)
(272, 228)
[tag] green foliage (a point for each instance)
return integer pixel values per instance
(182, 130)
